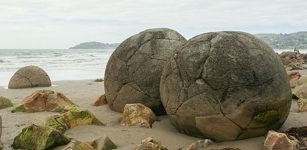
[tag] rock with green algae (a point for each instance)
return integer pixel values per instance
(5, 102)
(75, 116)
(77, 145)
(56, 122)
(39, 138)
(268, 117)
(103, 143)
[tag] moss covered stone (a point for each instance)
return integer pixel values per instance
(267, 117)
(20, 108)
(5, 102)
(76, 116)
(57, 122)
(39, 138)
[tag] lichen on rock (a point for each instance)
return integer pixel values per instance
(5, 102)
(39, 138)
(75, 116)
(57, 122)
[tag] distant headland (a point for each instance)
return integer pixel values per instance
(95, 45)
(285, 41)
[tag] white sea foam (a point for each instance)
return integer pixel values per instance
(60, 64)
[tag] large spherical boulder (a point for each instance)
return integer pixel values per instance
(134, 69)
(225, 86)
(29, 76)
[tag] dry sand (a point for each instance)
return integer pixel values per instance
(85, 92)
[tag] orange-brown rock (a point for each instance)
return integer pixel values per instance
(102, 100)
(138, 115)
(302, 104)
(150, 144)
(292, 60)
(293, 77)
(44, 100)
(279, 141)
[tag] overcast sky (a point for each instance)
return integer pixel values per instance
(64, 23)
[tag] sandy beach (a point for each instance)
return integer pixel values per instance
(85, 92)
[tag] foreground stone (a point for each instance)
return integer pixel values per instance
(5, 102)
(198, 145)
(72, 117)
(302, 104)
(103, 143)
(44, 100)
(150, 144)
(279, 141)
(39, 138)
(77, 145)
(29, 76)
(102, 100)
(133, 71)
(300, 133)
(138, 115)
(225, 86)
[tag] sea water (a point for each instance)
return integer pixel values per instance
(60, 64)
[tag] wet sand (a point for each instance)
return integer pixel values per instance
(85, 92)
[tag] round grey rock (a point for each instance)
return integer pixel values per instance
(225, 86)
(133, 71)
(29, 76)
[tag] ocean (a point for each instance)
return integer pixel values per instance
(60, 64)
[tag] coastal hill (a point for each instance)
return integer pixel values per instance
(276, 41)
(94, 45)
(285, 41)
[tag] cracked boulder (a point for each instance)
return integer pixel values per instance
(29, 76)
(44, 100)
(225, 86)
(294, 77)
(133, 71)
